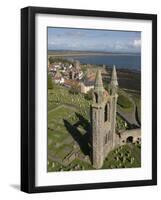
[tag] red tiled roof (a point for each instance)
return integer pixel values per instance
(71, 82)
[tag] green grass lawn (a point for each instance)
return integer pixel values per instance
(124, 102)
(136, 96)
(58, 113)
(137, 100)
(60, 95)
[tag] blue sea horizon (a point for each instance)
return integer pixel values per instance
(131, 62)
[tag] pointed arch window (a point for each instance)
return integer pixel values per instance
(105, 113)
(96, 97)
(108, 114)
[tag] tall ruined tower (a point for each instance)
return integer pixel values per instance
(97, 122)
(114, 97)
(103, 119)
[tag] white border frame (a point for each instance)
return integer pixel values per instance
(42, 178)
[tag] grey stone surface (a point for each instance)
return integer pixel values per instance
(103, 119)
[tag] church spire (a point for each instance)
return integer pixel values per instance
(114, 81)
(98, 81)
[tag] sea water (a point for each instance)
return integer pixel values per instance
(132, 62)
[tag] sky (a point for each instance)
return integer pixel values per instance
(93, 40)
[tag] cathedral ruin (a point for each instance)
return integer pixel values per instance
(103, 119)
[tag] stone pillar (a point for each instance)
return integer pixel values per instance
(113, 119)
(114, 96)
(97, 136)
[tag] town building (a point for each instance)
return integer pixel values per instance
(86, 86)
(58, 78)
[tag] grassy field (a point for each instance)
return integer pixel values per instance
(136, 96)
(60, 95)
(68, 114)
(68, 131)
(127, 156)
(124, 102)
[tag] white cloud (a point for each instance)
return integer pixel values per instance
(77, 40)
(137, 43)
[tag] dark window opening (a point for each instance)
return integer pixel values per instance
(106, 139)
(129, 139)
(96, 97)
(105, 113)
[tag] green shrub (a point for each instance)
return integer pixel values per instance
(89, 95)
(50, 83)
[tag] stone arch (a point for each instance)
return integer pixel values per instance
(129, 139)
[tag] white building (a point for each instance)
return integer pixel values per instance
(86, 86)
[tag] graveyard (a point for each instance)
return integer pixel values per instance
(69, 135)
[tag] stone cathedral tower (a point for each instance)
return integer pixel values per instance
(103, 119)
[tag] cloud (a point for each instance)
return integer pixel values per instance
(137, 43)
(81, 39)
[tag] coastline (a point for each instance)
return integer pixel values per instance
(89, 53)
(121, 60)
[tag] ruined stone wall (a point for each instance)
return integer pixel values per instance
(134, 133)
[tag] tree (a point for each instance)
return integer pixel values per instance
(51, 59)
(75, 89)
(50, 83)
(89, 95)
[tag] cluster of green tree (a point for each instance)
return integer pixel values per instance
(53, 59)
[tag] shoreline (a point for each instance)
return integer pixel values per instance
(78, 55)
(91, 54)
